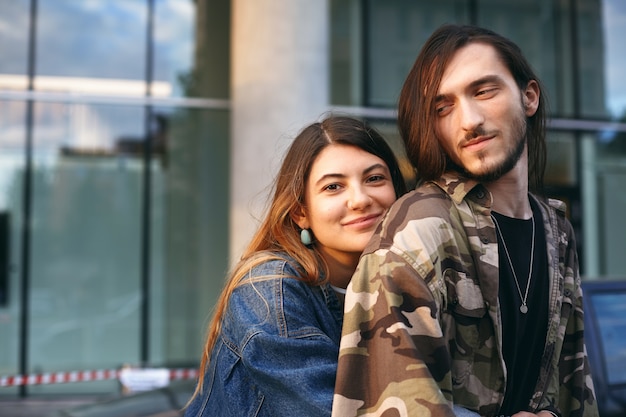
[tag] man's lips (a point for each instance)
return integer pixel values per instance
(476, 142)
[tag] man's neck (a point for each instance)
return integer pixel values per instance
(510, 194)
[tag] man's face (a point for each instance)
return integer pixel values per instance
(481, 113)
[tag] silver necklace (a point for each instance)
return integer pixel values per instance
(524, 307)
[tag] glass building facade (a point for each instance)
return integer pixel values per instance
(117, 154)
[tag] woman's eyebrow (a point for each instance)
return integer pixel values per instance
(338, 175)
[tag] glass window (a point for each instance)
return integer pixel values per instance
(192, 47)
(346, 53)
(603, 173)
(542, 31)
(12, 159)
(610, 313)
(85, 240)
(591, 62)
(396, 30)
(189, 246)
(610, 164)
(174, 31)
(97, 46)
(614, 59)
(14, 26)
(561, 180)
(601, 61)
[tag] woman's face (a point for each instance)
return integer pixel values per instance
(347, 193)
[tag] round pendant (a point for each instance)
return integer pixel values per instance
(523, 308)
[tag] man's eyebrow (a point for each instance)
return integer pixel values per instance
(487, 79)
(440, 97)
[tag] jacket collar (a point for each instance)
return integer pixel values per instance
(456, 185)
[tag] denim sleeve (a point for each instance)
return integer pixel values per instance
(292, 356)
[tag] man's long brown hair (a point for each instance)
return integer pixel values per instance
(416, 105)
(278, 234)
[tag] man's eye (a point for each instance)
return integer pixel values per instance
(487, 92)
(443, 110)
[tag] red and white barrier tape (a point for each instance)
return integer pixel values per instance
(83, 376)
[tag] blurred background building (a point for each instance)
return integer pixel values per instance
(138, 139)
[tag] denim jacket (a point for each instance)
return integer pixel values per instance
(277, 351)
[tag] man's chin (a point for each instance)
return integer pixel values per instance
(487, 175)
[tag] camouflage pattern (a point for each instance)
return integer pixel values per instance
(422, 329)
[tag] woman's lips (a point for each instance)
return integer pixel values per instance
(364, 221)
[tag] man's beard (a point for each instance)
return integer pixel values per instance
(512, 157)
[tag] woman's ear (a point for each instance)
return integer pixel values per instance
(298, 215)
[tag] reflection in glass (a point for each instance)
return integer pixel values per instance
(97, 46)
(541, 31)
(591, 61)
(192, 47)
(610, 310)
(562, 159)
(603, 174)
(392, 51)
(80, 129)
(189, 217)
(345, 53)
(613, 19)
(174, 44)
(85, 239)
(610, 177)
(14, 25)
(12, 159)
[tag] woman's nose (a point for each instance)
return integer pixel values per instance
(359, 199)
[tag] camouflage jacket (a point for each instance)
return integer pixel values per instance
(422, 327)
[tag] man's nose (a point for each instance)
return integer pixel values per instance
(471, 115)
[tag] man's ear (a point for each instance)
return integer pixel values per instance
(530, 98)
(298, 215)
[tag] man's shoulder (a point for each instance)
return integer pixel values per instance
(550, 203)
(416, 206)
(433, 199)
(425, 197)
(423, 211)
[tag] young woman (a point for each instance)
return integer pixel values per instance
(273, 342)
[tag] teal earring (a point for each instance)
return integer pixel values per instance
(305, 237)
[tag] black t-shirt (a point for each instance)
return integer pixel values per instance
(524, 335)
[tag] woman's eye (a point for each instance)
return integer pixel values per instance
(331, 187)
(376, 178)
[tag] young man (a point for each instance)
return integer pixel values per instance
(469, 293)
